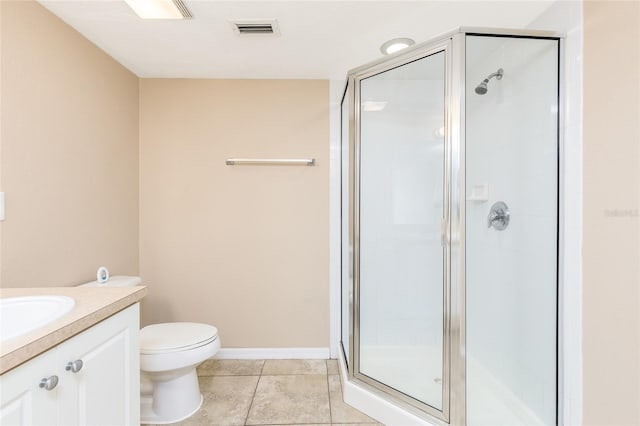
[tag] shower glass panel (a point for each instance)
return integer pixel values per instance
(401, 210)
(511, 269)
(346, 182)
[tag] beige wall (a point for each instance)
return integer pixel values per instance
(241, 247)
(611, 246)
(244, 248)
(69, 164)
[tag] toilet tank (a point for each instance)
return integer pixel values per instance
(115, 281)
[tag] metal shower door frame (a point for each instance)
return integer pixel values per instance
(448, 45)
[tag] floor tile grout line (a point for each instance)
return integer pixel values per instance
(268, 374)
(329, 392)
(253, 397)
(323, 424)
(294, 374)
(230, 375)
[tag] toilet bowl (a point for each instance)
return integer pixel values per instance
(169, 355)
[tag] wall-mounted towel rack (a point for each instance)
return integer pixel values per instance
(271, 161)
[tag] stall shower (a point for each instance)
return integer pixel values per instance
(450, 213)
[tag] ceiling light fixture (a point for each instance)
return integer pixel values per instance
(160, 9)
(395, 45)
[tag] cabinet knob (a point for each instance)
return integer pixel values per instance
(49, 383)
(74, 366)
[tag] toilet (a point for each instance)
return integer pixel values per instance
(169, 355)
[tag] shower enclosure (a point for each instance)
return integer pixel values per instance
(450, 156)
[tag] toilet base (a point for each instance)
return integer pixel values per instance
(171, 400)
(146, 406)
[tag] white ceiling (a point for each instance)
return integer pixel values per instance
(319, 39)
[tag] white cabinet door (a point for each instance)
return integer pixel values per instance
(22, 400)
(106, 389)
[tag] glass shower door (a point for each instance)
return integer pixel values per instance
(401, 282)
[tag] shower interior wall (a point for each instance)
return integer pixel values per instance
(512, 154)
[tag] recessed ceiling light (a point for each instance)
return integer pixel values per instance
(395, 45)
(160, 9)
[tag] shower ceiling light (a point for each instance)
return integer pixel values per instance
(159, 9)
(395, 45)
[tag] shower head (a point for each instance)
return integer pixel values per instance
(481, 89)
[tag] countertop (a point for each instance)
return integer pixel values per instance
(93, 304)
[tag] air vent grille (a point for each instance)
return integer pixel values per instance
(184, 10)
(256, 27)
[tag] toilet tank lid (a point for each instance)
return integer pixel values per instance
(174, 335)
(115, 281)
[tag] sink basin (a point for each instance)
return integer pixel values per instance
(20, 315)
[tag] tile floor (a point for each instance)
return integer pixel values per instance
(273, 392)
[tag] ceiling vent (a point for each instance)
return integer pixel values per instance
(184, 10)
(255, 27)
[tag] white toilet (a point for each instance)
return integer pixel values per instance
(169, 355)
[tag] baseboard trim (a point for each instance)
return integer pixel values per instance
(273, 353)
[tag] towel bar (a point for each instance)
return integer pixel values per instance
(271, 161)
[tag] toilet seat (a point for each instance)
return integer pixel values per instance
(175, 337)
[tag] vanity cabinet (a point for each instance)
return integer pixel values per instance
(23, 402)
(98, 379)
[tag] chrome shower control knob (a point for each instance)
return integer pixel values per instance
(49, 383)
(74, 366)
(499, 216)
